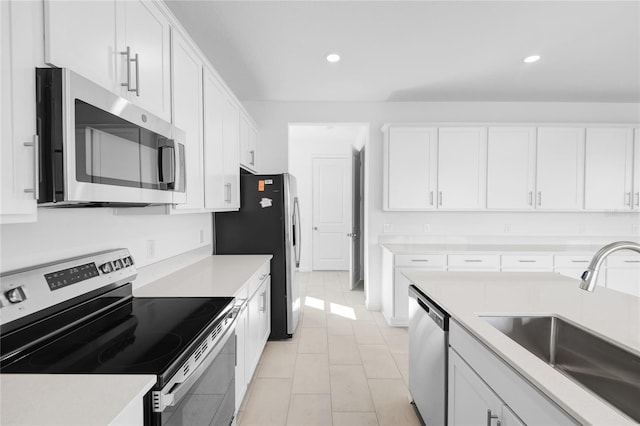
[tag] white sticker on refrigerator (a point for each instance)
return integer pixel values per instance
(268, 181)
(266, 202)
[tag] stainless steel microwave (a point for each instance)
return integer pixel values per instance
(96, 148)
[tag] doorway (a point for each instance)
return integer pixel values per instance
(327, 162)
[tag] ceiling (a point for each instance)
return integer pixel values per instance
(420, 50)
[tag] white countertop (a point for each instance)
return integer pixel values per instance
(465, 295)
(68, 399)
(410, 248)
(217, 275)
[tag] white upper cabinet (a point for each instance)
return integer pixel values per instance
(93, 38)
(511, 168)
(608, 169)
(222, 165)
(187, 116)
(20, 27)
(410, 168)
(145, 33)
(560, 168)
(462, 168)
(248, 143)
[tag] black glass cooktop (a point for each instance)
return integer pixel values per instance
(142, 336)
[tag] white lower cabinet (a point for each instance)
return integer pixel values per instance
(623, 274)
(483, 390)
(471, 401)
(252, 328)
(397, 292)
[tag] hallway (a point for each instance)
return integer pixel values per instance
(344, 365)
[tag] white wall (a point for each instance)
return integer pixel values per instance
(61, 233)
(305, 143)
(273, 119)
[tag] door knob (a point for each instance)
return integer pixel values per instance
(315, 228)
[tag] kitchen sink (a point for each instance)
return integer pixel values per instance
(604, 368)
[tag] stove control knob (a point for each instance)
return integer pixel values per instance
(106, 268)
(16, 295)
(127, 261)
(117, 264)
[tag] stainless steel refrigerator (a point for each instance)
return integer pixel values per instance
(268, 223)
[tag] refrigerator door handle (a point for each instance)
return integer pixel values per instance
(296, 231)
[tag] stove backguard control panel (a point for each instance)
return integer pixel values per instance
(28, 291)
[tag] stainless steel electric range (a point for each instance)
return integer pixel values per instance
(78, 316)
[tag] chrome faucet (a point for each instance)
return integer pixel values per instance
(590, 276)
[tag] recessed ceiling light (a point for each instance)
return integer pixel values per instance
(531, 59)
(333, 57)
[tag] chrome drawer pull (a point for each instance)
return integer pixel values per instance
(419, 260)
(526, 261)
(473, 260)
(579, 261)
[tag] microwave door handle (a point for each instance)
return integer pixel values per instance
(166, 164)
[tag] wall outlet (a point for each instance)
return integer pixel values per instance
(388, 227)
(202, 236)
(427, 227)
(507, 228)
(151, 249)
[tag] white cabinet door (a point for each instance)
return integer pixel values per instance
(19, 24)
(560, 168)
(231, 137)
(410, 168)
(248, 140)
(636, 170)
(214, 181)
(608, 169)
(241, 341)
(81, 35)
(511, 168)
(470, 399)
(509, 418)
(265, 311)
(623, 273)
(462, 168)
(187, 101)
(146, 31)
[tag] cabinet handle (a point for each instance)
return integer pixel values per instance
(431, 198)
(526, 261)
(636, 198)
(263, 296)
(530, 198)
(127, 55)
(227, 192)
(440, 198)
(473, 260)
(539, 198)
(491, 417)
(419, 260)
(253, 157)
(627, 198)
(137, 61)
(632, 261)
(579, 261)
(35, 143)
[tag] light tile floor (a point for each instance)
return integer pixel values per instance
(344, 365)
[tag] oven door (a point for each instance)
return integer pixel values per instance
(204, 397)
(97, 147)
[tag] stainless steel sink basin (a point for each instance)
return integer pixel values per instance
(609, 371)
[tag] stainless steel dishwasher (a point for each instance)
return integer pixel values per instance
(428, 360)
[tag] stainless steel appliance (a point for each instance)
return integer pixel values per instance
(268, 223)
(428, 361)
(98, 148)
(78, 316)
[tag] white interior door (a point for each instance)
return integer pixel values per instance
(331, 213)
(356, 196)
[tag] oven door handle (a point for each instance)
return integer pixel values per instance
(173, 393)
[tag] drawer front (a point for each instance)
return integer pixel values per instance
(420, 260)
(511, 261)
(571, 261)
(472, 261)
(623, 261)
(257, 278)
